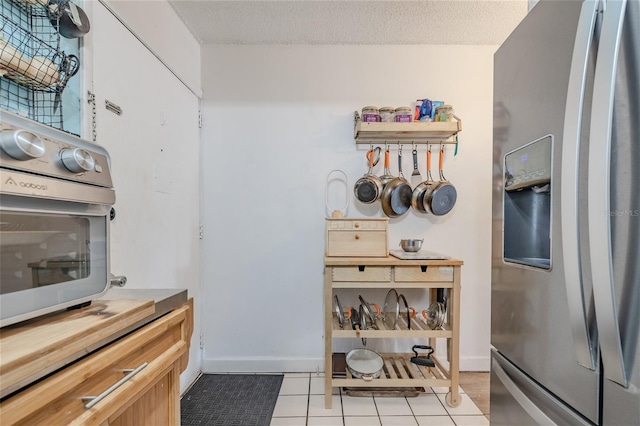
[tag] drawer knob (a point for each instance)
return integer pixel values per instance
(356, 225)
(357, 237)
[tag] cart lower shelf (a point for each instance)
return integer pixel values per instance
(400, 372)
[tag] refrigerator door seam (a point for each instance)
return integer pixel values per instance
(569, 185)
(599, 193)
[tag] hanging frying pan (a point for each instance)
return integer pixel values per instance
(369, 187)
(65, 16)
(417, 196)
(70, 20)
(396, 196)
(441, 197)
(387, 176)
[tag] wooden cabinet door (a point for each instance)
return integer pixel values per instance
(160, 405)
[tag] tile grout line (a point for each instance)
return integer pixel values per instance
(341, 405)
(308, 400)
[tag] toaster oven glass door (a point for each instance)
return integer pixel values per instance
(50, 258)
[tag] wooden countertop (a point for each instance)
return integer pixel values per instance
(388, 261)
(33, 348)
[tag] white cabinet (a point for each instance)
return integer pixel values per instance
(155, 157)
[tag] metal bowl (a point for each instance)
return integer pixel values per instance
(411, 245)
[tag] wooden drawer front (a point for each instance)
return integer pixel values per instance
(367, 273)
(422, 273)
(357, 243)
(58, 398)
(357, 225)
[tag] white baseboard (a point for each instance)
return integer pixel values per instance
(262, 365)
(297, 365)
(476, 363)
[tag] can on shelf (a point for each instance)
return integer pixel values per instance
(386, 114)
(403, 115)
(444, 113)
(370, 114)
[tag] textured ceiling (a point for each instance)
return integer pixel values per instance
(350, 21)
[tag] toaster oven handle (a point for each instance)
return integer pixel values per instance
(118, 281)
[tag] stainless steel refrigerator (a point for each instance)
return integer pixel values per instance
(565, 302)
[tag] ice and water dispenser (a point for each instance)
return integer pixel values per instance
(527, 204)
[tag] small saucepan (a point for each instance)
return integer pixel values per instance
(441, 197)
(369, 187)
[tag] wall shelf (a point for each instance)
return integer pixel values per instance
(414, 132)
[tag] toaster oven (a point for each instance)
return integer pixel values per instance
(56, 195)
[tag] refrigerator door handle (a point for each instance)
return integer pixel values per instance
(532, 409)
(569, 185)
(599, 197)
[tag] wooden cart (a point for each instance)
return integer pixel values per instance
(385, 273)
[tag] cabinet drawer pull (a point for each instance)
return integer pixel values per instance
(93, 400)
(357, 237)
(423, 268)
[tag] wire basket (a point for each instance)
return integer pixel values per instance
(34, 70)
(30, 61)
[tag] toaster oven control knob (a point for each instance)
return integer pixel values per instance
(77, 160)
(21, 144)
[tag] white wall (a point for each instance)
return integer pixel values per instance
(277, 119)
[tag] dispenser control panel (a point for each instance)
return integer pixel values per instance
(529, 165)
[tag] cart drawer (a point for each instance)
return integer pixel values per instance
(362, 273)
(423, 273)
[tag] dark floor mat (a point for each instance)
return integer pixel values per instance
(231, 400)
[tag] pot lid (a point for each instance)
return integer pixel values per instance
(337, 307)
(391, 309)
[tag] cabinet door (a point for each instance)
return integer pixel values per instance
(158, 406)
(154, 147)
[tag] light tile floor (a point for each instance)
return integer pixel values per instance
(301, 403)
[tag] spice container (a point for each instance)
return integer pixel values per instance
(403, 115)
(370, 114)
(386, 114)
(444, 113)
